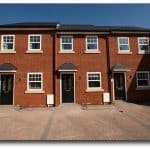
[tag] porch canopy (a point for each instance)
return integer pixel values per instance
(7, 67)
(67, 67)
(120, 67)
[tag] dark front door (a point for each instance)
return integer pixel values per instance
(6, 90)
(67, 88)
(119, 86)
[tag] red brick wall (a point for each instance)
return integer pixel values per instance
(26, 62)
(85, 63)
(135, 61)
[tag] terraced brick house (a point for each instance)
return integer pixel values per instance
(44, 64)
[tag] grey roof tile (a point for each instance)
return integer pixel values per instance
(7, 67)
(67, 66)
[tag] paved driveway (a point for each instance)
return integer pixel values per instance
(122, 121)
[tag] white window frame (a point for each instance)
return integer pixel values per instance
(68, 50)
(29, 49)
(94, 88)
(2, 42)
(142, 51)
(123, 51)
(86, 41)
(28, 89)
(143, 79)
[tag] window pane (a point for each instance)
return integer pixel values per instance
(94, 76)
(143, 41)
(123, 40)
(34, 45)
(34, 38)
(144, 47)
(34, 85)
(142, 76)
(124, 47)
(35, 77)
(66, 46)
(92, 46)
(8, 46)
(91, 39)
(66, 39)
(94, 84)
(142, 82)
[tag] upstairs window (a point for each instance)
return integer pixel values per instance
(142, 78)
(8, 43)
(34, 42)
(93, 80)
(66, 44)
(123, 43)
(92, 43)
(143, 44)
(35, 81)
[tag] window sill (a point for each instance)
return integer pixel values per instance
(35, 91)
(66, 52)
(34, 51)
(143, 88)
(94, 90)
(8, 52)
(143, 53)
(124, 53)
(92, 52)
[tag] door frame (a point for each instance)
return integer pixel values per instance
(125, 84)
(9, 73)
(61, 73)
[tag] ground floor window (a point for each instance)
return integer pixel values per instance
(93, 80)
(143, 79)
(35, 81)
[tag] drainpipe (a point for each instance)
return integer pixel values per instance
(108, 67)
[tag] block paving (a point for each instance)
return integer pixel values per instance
(120, 121)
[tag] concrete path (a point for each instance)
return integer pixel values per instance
(122, 121)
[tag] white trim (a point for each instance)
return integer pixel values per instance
(66, 70)
(143, 51)
(91, 50)
(32, 90)
(34, 51)
(93, 88)
(123, 51)
(61, 85)
(35, 91)
(29, 42)
(121, 70)
(125, 84)
(113, 86)
(2, 41)
(8, 71)
(68, 50)
(141, 87)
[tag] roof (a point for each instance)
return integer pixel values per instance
(84, 27)
(75, 27)
(120, 67)
(7, 67)
(67, 67)
(30, 24)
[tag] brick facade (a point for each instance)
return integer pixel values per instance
(51, 59)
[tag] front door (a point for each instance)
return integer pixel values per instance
(119, 86)
(6, 90)
(67, 88)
